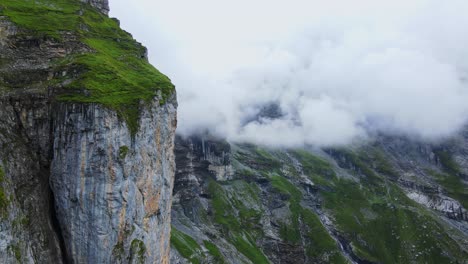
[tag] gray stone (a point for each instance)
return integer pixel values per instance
(101, 5)
(107, 202)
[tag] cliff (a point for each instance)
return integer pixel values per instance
(86, 138)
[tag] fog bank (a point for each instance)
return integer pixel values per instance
(288, 73)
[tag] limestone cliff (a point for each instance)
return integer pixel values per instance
(86, 138)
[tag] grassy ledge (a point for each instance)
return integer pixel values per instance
(237, 222)
(116, 75)
(214, 252)
(186, 246)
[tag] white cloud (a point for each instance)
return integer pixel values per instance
(339, 70)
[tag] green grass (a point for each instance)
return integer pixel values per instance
(317, 169)
(2, 175)
(360, 164)
(4, 201)
(123, 151)
(21, 222)
(453, 186)
(396, 232)
(447, 162)
(115, 75)
(118, 250)
(319, 242)
(285, 187)
(257, 158)
(371, 212)
(214, 252)
(138, 249)
(450, 179)
(313, 165)
(231, 212)
(382, 164)
(16, 251)
(289, 231)
(264, 154)
(382, 224)
(223, 211)
(186, 246)
(245, 243)
(238, 223)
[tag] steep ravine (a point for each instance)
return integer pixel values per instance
(86, 138)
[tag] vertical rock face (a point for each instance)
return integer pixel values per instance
(78, 183)
(26, 229)
(112, 191)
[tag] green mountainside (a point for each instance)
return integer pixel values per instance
(339, 205)
(111, 69)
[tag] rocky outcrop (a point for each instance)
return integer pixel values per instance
(450, 207)
(101, 5)
(78, 183)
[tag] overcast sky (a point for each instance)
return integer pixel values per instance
(338, 70)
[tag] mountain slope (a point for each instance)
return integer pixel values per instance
(389, 201)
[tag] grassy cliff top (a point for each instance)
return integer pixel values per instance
(116, 75)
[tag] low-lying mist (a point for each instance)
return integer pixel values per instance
(288, 73)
